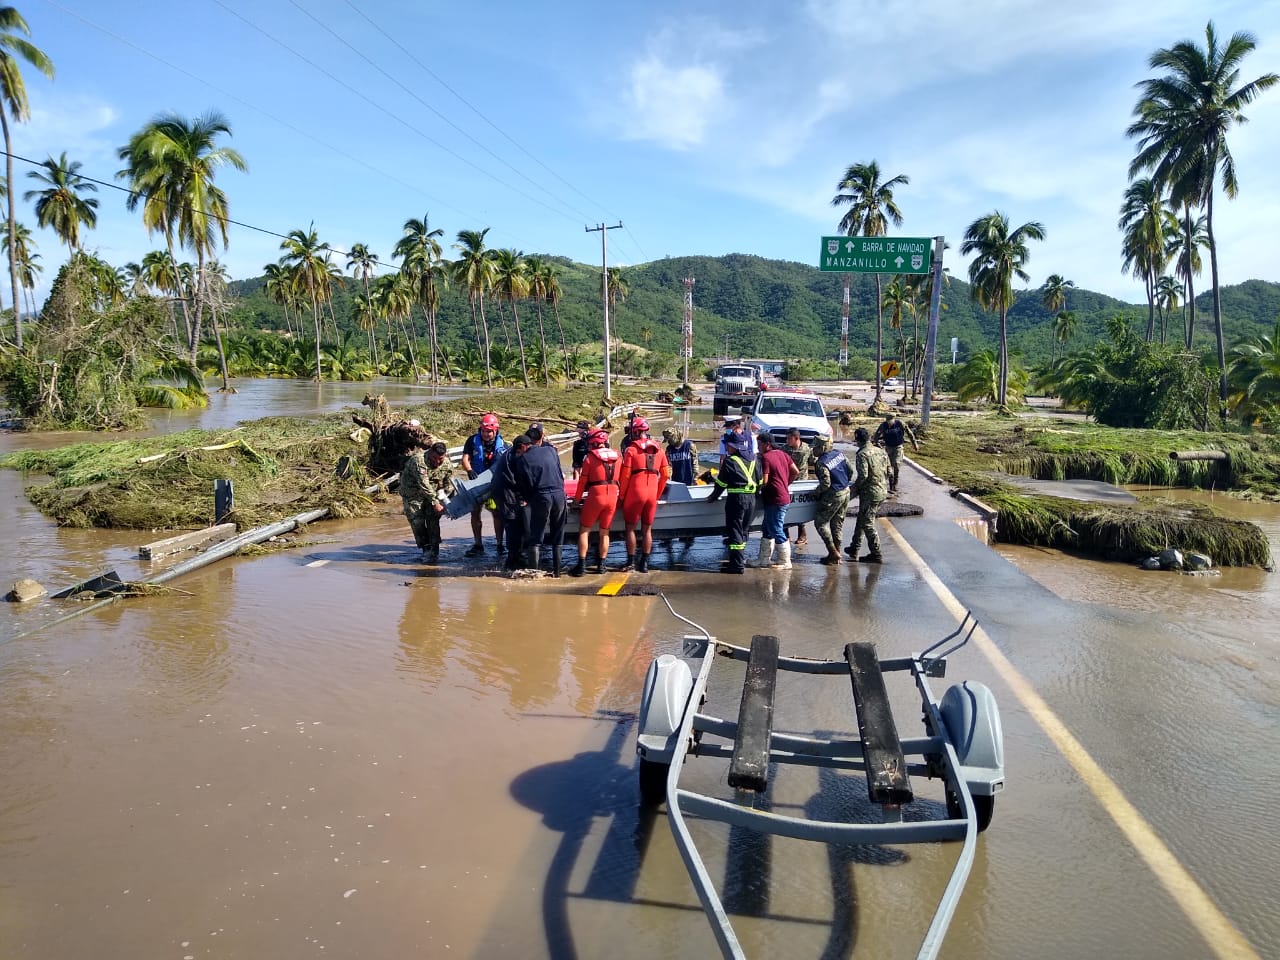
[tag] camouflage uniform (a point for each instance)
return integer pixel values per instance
(422, 486)
(872, 486)
(833, 473)
(802, 456)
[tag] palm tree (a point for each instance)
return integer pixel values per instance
(361, 261)
(552, 291)
(474, 270)
(170, 165)
(536, 270)
(393, 298)
(15, 46)
(617, 289)
(1053, 294)
(26, 257)
(511, 281)
(161, 273)
(215, 293)
(1185, 253)
(1168, 294)
(871, 210)
(898, 298)
(59, 206)
(1064, 327)
(308, 262)
(1000, 255)
(419, 247)
(1147, 224)
(1183, 117)
(278, 284)
(1254, 373)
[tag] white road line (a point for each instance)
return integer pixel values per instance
(1221, 936)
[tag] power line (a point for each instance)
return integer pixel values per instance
(343, 40)
(394, 116)
(284, 123)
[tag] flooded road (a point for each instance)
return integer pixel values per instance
(334, 751)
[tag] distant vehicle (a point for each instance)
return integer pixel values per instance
(775, 412)
(893, 382)
(736, 385)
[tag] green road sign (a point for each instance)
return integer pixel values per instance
(875, 254)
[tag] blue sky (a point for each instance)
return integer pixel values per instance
(706, 128)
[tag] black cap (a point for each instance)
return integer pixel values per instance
(583, 425)
(534, 432)
(439, 449)
(522, 441)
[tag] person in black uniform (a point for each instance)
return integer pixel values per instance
(739, 477)
(579, 454)
(512, 506)
(540, 480)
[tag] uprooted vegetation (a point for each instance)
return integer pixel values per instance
(966, 451)
(279, 466)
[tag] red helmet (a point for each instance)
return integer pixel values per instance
(639, 425)
(597, 438)
(489, 420)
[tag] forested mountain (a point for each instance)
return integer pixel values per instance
(782, 309)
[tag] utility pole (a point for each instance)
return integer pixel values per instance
(843, 359)
(931, 339)
(604, 294)
(687, 329)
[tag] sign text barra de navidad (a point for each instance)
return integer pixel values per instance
(875, 254)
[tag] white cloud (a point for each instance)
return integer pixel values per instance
(80, 125)
(671, 105)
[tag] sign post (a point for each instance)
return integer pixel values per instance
(931, 340)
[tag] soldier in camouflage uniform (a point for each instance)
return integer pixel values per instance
(834, 477)
(871, 488)
(802, 456)
(426, 483)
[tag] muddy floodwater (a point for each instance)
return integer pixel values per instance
(334, 751)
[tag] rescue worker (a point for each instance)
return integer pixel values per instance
(597, 498)
(580, 447)
(425, 487)
(802, 455)
(641, 480)
(737, 426)
(891, 435)
(777, 471)
(871, 487)
(832, 471)
(738, 477)
(478, 455)
(511, 505)
(540, 480)
(682, 455)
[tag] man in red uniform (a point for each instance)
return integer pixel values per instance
(644, 476)
(597, 496)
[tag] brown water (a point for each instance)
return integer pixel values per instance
(336, 752)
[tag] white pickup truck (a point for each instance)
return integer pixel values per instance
(776, 412)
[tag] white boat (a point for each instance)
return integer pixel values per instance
(683, 511)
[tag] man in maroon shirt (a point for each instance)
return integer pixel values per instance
(777, 470)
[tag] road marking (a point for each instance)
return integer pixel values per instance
(1222, 937)
(317, 563)
(612, 586)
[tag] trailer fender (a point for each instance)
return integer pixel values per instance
(665, 697)
(972, 720)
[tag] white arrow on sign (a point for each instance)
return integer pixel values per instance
(899, 263)
(849, 247)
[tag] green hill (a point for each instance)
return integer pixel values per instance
(760, 307)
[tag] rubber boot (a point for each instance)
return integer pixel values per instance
(555, 562)
(531, 557)
(784, 555)
(765, 557)
(642, 563)
(599, 565)
(579, 568)
(630, 563)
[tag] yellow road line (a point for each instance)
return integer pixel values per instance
(1222, 937)
(612, 586)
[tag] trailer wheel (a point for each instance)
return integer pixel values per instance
(984, 807)
(653, 782)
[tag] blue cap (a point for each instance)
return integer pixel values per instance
(738, 440)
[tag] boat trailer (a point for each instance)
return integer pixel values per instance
(963, 746)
